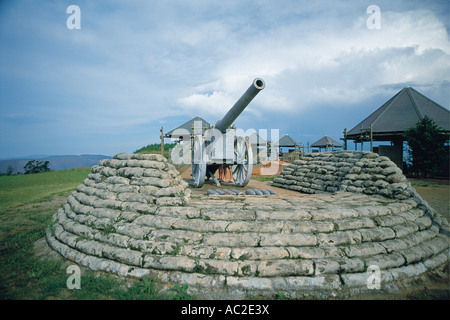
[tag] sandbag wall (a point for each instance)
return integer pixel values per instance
(359, 172)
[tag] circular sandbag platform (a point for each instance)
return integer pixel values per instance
(134, 216)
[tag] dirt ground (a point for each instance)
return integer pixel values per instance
(186, 171)
(436, 192)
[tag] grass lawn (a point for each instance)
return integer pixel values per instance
(436, 193)
(27, 204)
(23, 189)
(264, 178)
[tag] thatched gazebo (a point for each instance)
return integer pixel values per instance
(294, 153)
(287, 142)
(390, 121)
(326, 143)
(184, 131)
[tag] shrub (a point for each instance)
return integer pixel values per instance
(427, 148)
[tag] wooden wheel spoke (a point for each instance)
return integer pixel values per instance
(198, 161)
(242, 169)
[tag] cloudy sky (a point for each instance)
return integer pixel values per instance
(135, 66)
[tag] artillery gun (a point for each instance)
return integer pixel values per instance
(219, 145)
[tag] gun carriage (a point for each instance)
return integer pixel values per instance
(219, 146)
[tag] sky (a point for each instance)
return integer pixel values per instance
(136, 66)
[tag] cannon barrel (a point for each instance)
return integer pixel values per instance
(224, 123)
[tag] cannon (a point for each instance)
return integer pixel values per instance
(218, 145)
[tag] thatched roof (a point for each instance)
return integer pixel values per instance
(326, 142)
(186, 128)
(255, 139)
(401, 113)
(287, 142)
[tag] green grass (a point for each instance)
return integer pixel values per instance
(23, 189)
(156, 149)
(23, 220)
(264, 178)
(428, 183)
(27, 205)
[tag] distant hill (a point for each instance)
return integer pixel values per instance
(56, 162)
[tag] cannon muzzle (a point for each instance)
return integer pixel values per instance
(224, 123)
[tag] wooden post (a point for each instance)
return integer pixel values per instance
(345, 139)
(362, 138)
(192, 136)
(162, 141)
(371, 138)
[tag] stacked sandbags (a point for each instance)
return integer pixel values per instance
(131, 217)
(95, 226)
(135, 180)
(349, 171)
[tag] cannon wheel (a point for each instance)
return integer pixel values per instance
(242, 170)
(198, 161)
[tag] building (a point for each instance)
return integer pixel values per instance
(326, 143)
(390, 121)
(184, 131)
(287, 142)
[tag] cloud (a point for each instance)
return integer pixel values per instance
(341, 67)
(138, 63)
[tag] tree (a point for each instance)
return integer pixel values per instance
(427, 147)
(9, 171)
(34, 166)
(156, 147)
